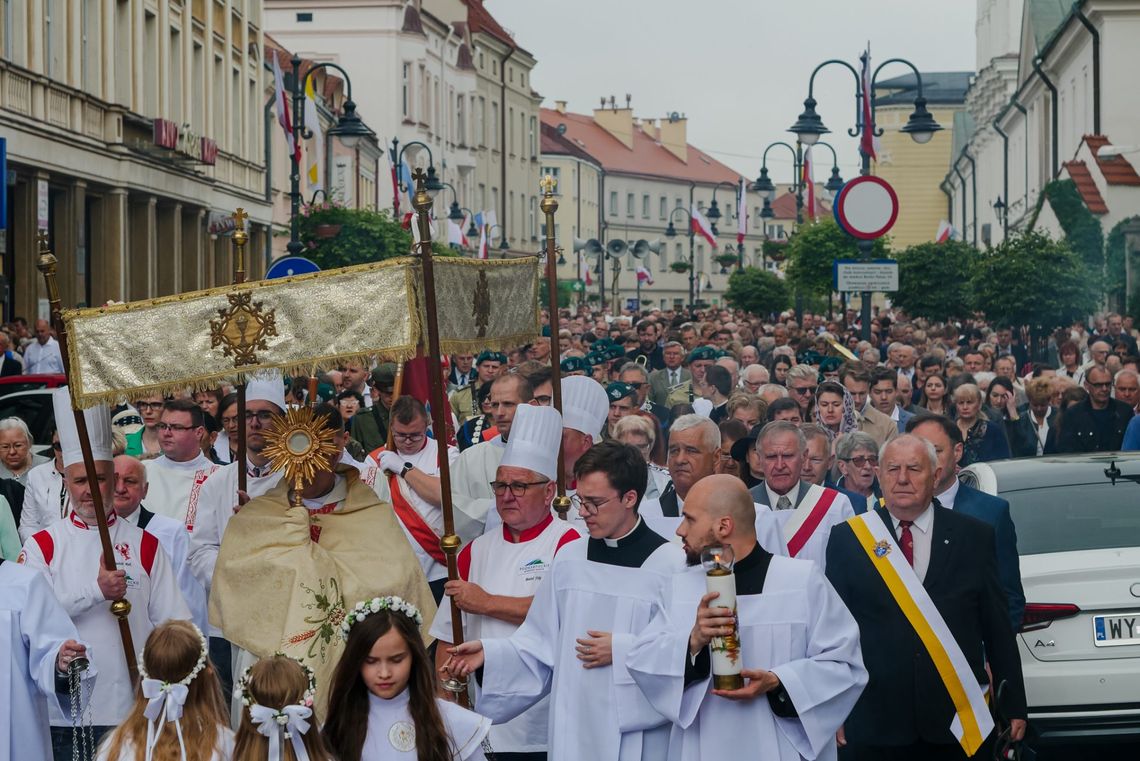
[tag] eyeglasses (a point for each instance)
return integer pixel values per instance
(408, 436)
(175, 427)
(143, 406)
(861, 461)
(1106, 384)
(518, 488)
(16, 447)
(591, 506)
(802, 390)
(263, 416)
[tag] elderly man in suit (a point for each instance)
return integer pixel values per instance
(663, 380)
(921, 581)
(946, 438)
(803, 512)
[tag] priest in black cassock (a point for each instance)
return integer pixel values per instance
(596, 598)
(798, 642)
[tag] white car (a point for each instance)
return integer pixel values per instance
(1078, 537)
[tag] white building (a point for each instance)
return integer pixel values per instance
(1055, 80)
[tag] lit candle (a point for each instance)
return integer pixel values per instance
(717, 561)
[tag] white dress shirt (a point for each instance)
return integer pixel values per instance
(946, 498)
(773, 497)
(921, 532)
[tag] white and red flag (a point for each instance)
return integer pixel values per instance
(483, 241)
(584, 273)
(644, 276)
(282, 107)
(701, 226)
(945, 232)
(868, 143)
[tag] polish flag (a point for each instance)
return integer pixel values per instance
(455, 234)
(282, 106)
(809, 183)
(701, 226)
(395, 182)
(482, 241)
(868, 144)
(741, 215)
(584, 273)
(945, 232)
(644, 276)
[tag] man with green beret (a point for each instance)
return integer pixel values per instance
(623, 402)
(575, 366)
(487, 367)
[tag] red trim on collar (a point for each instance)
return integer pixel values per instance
(529, 533)
(77, 521)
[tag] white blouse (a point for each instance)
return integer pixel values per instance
(392, 735)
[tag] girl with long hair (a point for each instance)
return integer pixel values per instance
(382, 702)
(177, 687)
(277, 722)
(933, 397)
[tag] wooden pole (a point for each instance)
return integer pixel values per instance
(449, 543)
(397, 387)
(120, 608)
(240, 239)
(549, 205)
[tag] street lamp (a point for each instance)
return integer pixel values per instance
(764, 184)
(671, 232)
(349, 129)
(504, 246)
(432, 183)
(921, 127)
(455, 213)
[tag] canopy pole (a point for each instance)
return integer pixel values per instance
(549, 205)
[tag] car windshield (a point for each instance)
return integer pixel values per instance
(1076, 517)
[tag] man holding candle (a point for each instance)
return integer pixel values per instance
(798, 646)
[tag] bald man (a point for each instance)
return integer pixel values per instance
(802, 675)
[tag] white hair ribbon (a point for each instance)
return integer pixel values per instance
(164, 703)
(290, 721)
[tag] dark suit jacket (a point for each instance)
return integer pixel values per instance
(905, 700)
(1024, 442)
(1078, 431)
(668, 500)
(995, 511)
(659, 384)
(10, 367)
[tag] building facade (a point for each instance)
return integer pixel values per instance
(133, 130)
(1055, 90)
(650, 176)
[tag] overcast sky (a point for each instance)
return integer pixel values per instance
(738, 69)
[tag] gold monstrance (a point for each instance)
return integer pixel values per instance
(300, 443)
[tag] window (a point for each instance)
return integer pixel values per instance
(757, 220)
(406, 91)
(510, 207)
(55, 39)
(534, 137)
(482, 197)
(664, 207)
(534, 218)
(150, 66)
(645, 206)
(175, 80)
(679, 253)
(494, 67)
(494, 125)
(461, 120)
(122, 51)
(198, 91)
(1086, 516)
(613, 203)
(236, 120)
(629, 205)
(481, 122)
(92, 49)
(219, 105)
(511, 128)
(679, 205)
(663, 260)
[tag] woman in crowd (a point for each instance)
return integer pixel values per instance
(16, 450)
(835, 410)
(933, 397)
(983, 439)
(857, 456)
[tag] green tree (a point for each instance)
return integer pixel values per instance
(757, 291)
(336, 236)
(812, 251)
(1031, 279)
(934, 280)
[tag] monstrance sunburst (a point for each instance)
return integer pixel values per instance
(299, 443)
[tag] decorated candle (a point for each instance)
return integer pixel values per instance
(717, 561)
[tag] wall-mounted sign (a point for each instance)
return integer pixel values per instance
(42, 206)
(185, 142)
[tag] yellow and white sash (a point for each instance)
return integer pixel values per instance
(807, 516)
(972, 721)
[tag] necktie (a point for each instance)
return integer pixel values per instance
(673, 378)
(907, 541)
(783, 503)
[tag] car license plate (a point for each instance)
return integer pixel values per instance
(1118, 629)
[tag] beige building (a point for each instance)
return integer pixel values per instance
(133, 130)
(915, 170)
(579, 185)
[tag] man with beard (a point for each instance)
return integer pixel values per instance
(803, 676)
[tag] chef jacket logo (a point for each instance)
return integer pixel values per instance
(533, 569)
(124, 551)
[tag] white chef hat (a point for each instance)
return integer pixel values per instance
(98, 429)
(584, 405)
(266, 387)
(536, 435)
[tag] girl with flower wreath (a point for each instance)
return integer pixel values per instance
(382, 704)
(178, 713)
(277, 721)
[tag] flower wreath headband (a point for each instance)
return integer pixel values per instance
(365, 608)
(165, 700)
(290, 722)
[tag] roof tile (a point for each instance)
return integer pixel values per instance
(1086, 186)
(1116, 170)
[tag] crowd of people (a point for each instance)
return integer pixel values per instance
(877, 596)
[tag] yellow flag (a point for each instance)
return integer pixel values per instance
(313, 124)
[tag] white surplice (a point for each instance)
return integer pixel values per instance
(797, 628)
(596, 713)
(391, 730)
(176, 544)
(471, 477)
(174, 487)
(33, 627)
(771, 523)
